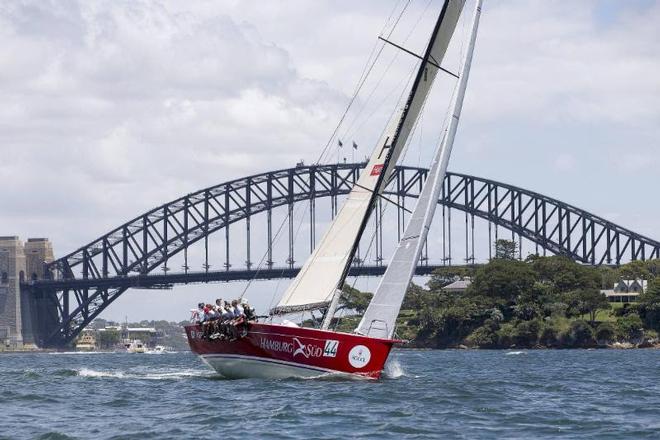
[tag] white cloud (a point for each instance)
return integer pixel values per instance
(552, 62)
(565, 162)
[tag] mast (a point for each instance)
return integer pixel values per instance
(380, 317)
(428, 68)
(318, 283)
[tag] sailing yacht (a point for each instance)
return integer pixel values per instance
(270, 350)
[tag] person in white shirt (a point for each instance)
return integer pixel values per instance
(237, 308)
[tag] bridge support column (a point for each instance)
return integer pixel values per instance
(12, 272)
(42, 307)
(21, 264)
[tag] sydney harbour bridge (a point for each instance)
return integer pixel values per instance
(175, 243)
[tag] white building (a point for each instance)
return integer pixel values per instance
(458, 286)
(626, 291)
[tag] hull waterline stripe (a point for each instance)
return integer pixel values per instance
(286, 363)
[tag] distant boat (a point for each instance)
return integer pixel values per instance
(279, 350)
(87, 342)
(158, 349)
(135, 346)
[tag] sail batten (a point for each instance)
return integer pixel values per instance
(380, 317)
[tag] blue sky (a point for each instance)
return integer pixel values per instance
(110, 109)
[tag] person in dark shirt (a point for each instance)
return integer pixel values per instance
(248, 311)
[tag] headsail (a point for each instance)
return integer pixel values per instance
(324, 272)
(380, 317)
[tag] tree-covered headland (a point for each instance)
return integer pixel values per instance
(539, 302)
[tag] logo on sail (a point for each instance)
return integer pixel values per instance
(359, 356)
(377, 169)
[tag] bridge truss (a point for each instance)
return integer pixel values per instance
(82, 284)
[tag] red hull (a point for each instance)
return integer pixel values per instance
(278, 351)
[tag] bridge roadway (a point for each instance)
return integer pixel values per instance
(161, 280)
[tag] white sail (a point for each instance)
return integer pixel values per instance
(325, 270)
(319, 277)
(380, 317)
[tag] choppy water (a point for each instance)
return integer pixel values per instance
(427, 394)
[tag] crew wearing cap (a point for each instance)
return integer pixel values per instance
(247, 310)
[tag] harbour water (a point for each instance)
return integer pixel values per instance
(426, 394)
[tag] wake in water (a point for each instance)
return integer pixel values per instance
(393, 369)
(157, 375)
(59, 353)
(515, 353)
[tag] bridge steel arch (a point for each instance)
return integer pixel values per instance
(147, 242)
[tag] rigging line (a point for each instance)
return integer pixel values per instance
(402, 97)
(296, 210)
(381, 104)
(418, 124)
(359, 87)
(431, 60)
(261, 261)
(360, 84)
(364, 105)
(389, 18)
(363, 77)
(384, 198)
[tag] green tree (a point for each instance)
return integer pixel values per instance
(653, 266)
(591, 301)
(527, 333)
(565, 274)
(605, 333)
(608, 277)
(549, 336)
(416, 297)
(108, 338)
(506, 249)
(649, 305)
(635, 270)
(446, 275)
(503, 279)
(630, 327)
(585, 301)
(483, 336)
(353, 299)
(579, 334)
(506, 334)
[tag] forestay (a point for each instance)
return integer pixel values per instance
(380, 317)
(325, 270)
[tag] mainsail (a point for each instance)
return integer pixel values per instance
(324, 272)
(380, 317)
